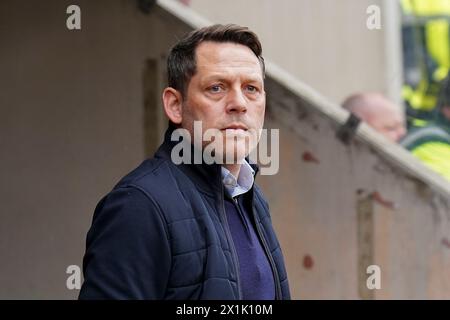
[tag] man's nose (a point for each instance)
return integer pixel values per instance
(236, 101)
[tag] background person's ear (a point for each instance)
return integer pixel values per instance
(172, 101)
(446, 111)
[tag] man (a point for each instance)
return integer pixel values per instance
(379, 113)
(194, 230)
(426, 56)
(431, 144)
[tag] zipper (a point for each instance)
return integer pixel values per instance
(271, 261)
(278, 293)
(265, 246)
(231, 244)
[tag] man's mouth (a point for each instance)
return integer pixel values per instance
(235, 127)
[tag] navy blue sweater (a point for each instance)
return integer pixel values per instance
(255, 273)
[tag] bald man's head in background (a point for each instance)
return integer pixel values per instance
(379, 113)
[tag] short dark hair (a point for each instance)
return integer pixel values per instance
(181, 63)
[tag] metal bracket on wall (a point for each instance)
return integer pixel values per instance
(348, 130)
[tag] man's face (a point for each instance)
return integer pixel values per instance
(389, 122)
(226, 93)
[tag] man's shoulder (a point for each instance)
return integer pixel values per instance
(148, 173)
(429, 134)
(154, 176)
(159, 180)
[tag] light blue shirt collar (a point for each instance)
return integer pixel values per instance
(242, 184)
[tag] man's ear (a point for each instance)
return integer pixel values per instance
(446, 111)
(172, 101)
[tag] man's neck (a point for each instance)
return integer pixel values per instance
(233, 168)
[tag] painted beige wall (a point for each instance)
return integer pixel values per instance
(71, 124)
(324, 43)
(327, 237)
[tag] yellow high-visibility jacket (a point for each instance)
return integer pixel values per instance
(431, 145)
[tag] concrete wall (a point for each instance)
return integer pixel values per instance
(323, 43)
(74, 118)
(343, 207)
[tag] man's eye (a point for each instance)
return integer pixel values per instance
(215, 88)
(390, 128)
(251, 89)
